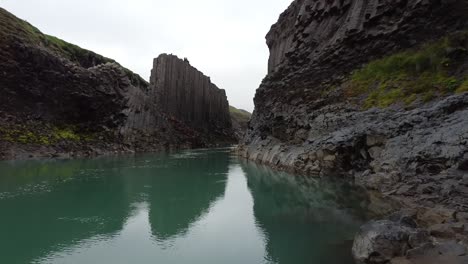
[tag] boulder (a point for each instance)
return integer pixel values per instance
(380, 241)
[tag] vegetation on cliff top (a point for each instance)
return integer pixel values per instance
(425, 73)
(13, 28)
(240, 115)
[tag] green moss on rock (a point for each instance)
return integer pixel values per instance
(403, 77)
(239, 114)
(13, 28)
(463, 87)
(43, 135)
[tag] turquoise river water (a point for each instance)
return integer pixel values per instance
(197, 207)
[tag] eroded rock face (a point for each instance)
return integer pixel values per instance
(380, 241)
(61, 100)
(56, 97)
(340, 34)
(304, 121)
(399, 239)
(315, 44)
(294, 126)
(180, 107)
(38, 83)
(188, 95)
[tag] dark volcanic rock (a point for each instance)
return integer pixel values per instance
(61, 100)
(379, 242)
(304, 120)
(417, 153)
(41, 80)
(387, 241)
(188, 95)
(240, 121)
(317, 43)
(330, 37)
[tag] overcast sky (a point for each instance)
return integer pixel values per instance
(225, 39)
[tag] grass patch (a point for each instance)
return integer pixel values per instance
(70, 51)
(406, 76)
(240, 115)
(463, 87)
(13, 28)
(46, 136)
(66, 134)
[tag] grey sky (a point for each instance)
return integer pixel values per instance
(225, 39)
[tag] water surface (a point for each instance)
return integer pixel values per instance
(197, 207)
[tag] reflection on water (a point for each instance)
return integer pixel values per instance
(180, 194)
(191, 207)
(305, 220)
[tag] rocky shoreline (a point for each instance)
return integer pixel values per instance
(374, 92)
(410, 161)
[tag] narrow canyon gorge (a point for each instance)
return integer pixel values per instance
(370, 93)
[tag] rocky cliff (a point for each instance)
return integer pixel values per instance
(373, 91)
(180, 107)
(59, 99)
(188, 95)
(240, 121)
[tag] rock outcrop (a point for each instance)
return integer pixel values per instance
(58, 99)
(180, 107)
(240, 121)
(189, 96)
(399, 240)
(313, 114)
(334, 37)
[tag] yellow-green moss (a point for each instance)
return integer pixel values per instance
(47, 136)
(410, 99)
(463, 87)
(65, 133)
(405, 76)
(239, 114)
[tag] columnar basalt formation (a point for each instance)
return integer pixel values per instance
(188, 95)
(61, 100)
(315, 117)
(180, 107)
(328, 36)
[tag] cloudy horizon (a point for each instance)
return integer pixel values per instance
(223, 39)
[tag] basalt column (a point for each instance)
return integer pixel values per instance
(186, 94)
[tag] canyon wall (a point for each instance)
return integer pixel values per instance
(188, 95)
(351, 92)
(61, 100)
(180, 107)
(331, 37)
(304, 105)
